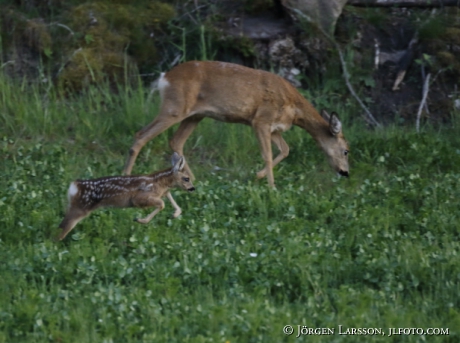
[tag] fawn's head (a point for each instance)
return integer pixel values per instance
(335, 145)
(181, 176)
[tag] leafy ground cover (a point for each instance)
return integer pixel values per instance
(379, 250)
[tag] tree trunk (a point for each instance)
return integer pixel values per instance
(404, 3)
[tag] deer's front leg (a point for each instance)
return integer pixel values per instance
(148, 201)
(283, 149)
(264, 136)
(177, 209)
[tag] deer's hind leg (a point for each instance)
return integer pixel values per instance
(171, 113)
(72, 217)
(180, 137)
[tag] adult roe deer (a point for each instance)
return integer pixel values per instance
(235, 94)
(85, 196)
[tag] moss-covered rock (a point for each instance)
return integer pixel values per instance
(445, 45)
(84, 68)
(37, 36)
(448, 60)
(91, 66)
(17, 30)
(452, 35)
(110, 36)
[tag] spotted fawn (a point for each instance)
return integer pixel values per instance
(85, 196)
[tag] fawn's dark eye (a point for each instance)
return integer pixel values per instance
(345, 152)
(186, 179)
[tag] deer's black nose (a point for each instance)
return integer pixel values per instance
(343, 173)
(191, 189)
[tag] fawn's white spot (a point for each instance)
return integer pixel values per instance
(157, 176)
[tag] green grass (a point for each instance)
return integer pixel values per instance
(378, 250)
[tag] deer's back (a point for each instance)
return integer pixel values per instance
(228, 92)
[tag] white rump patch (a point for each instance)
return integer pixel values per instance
(73, 190)
(162, 83)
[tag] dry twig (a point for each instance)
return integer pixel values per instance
(370, 118)
(426, 88)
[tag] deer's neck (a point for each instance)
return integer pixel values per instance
(311, 121)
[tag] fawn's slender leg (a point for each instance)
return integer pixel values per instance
(71, 219)
(184, 131)
(177, 209)
(282, 147)
(149, 202)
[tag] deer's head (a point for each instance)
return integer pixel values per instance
(335, 145)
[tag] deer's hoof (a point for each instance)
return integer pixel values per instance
(261, 174)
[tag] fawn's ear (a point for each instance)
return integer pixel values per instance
(178, 162)
(175, 157)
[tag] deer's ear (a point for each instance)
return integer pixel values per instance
(178, 162)
(335, 126)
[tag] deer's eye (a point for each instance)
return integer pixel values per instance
(186, 179)
(345, 152)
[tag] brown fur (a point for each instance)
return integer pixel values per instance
(141, 191)
(235, 94)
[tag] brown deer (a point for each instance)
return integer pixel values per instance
(235, 94)
(85, 196)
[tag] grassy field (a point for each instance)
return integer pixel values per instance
(378, 250)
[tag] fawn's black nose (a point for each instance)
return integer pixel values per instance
(191, 189)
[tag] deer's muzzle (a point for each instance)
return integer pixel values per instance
(191, 189)
(343, 173)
